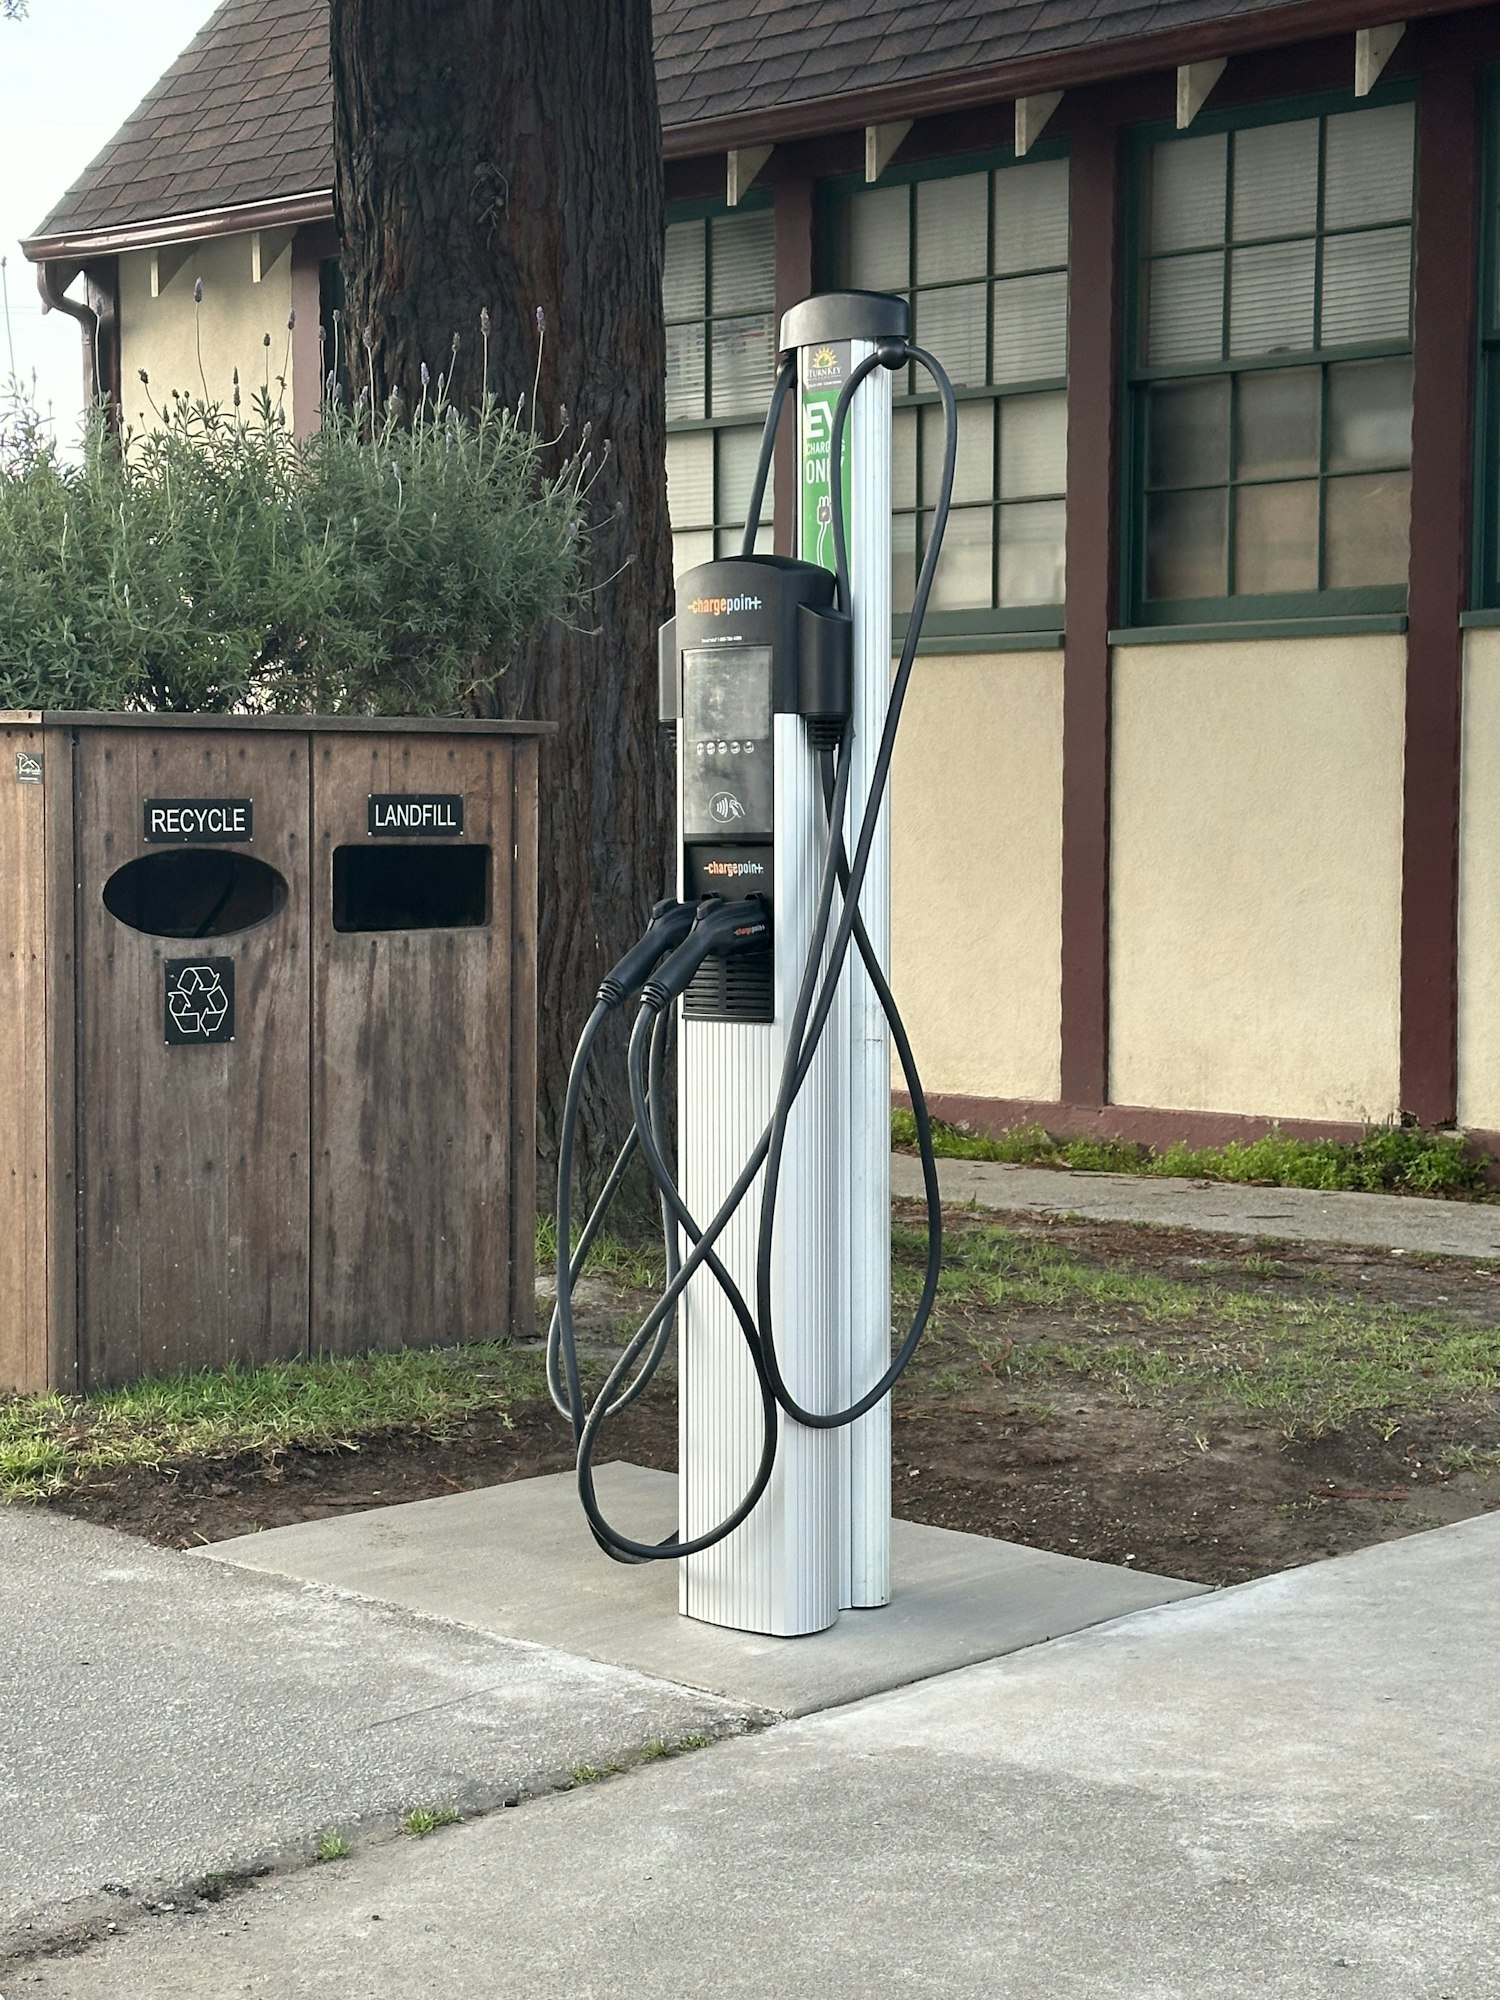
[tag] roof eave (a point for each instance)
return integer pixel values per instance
(1062, 69)
(277, 212)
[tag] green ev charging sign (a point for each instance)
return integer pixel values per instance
(822, 373)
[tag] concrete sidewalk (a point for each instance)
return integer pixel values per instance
(1411, 1223)
(1286, 1791)
(163, 1720)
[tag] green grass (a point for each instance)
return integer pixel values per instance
(639, 1264)
(331, 1846)
(48, 1442)
(1314, 1363)
(422, 1820)
(1401, 1159)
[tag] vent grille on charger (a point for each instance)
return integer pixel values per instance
(739, 988)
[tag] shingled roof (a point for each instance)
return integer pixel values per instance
(243, 117)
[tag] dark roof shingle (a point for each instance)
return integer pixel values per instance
(244, 114)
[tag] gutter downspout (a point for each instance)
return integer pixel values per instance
(96, 322)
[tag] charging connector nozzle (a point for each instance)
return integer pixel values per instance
(721, 927)
(671, 922)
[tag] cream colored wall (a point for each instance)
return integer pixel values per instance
(976, 857)
(1256, 877)
(162, 334)
(1479, 887)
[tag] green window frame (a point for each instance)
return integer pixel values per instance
(1267, 365)
(982, 258)
(719, 286)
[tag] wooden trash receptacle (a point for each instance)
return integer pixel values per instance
(267, 994)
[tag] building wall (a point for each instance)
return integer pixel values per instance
(976, 836)
(1256, 877)
(1479, 887)
(163, 334)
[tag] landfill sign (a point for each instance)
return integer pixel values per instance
(199, 1001)
(823, 370)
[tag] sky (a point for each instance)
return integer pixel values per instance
(70, 75)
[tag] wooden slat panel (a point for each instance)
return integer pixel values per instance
(62, 1030)
(523, 1202)
(411, 1073)
(194, 1160)
(24, 1341)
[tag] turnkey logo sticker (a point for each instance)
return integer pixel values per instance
(725, 807)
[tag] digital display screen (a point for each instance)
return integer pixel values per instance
(727, 693)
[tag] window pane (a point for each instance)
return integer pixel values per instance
(1031, 216)
(965, 566)
(1276, 180)
(1187, 192)
(1033, 446)
(904, 458)
(1185, 312)
(903, 561)
(974, 465)
(743, 366)
(1367, 166)
(742, 262)
(689, 550)
(1189, 433)
(690, 478)
(739, 451)
(951, 324)
(877, 226)
(952, 228)
(1271, 298)
(1367, 287)
(1185, 545)
(685, 371)
(1366, 523)
(728, 540)
(1276, 426)
(1276, 538)
(1369, 414)
(682, 273)
(1031, 328)
(1031, 553)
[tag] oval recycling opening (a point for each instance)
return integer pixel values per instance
(194, 892)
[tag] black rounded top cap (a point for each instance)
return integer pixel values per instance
(829, 316)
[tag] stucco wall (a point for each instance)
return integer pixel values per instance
(976, 838)
(1256, 877)
(160, 334)
(1479, 888)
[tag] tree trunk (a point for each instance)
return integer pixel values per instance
(508, 158)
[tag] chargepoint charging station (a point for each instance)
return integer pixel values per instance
(770, 963)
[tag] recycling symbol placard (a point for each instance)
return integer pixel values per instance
(200, 1000)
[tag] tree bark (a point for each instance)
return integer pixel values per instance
(507, 158)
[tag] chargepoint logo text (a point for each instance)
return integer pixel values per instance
(734, 868)
(722, 607)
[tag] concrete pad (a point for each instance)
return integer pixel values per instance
(163, 1719)
(518, 1560)
(1413, 1223)
(1285, 1791)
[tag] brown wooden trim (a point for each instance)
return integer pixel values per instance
(795, 280)
(1442, 416)
(282, 212)
(307, 311)
(1062, 69)
(1092, 540)
(1139, 1124)
(290, 724)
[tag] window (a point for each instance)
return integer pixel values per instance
(720, 292)
(1271, 368)
(982, 255)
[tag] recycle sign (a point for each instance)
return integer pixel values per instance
(199, 1000)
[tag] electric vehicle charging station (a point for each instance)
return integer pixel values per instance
(776, 676)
